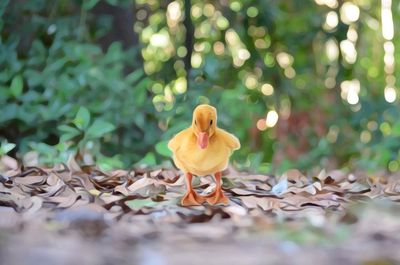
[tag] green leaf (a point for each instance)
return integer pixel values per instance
(134, 76)
(99, 128)
(396, 129)
(227, 183)
(6, 147)
(108, 163)
(89, 4)
(68, 136)
(67, 129)
(162, 148)
(112, 2)
(68, 133)
(17, 85)
(138, 204)
(3, 6)
(82, 118)
(148, 160)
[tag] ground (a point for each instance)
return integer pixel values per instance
(71, 214)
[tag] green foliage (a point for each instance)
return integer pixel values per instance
(61, 92)
(6, 147)
(80, 132)
(253, 57)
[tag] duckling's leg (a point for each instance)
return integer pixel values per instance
(217, 196)
(191, 197)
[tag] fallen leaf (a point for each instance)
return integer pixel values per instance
(36, 204)
(122, 189)
(138, 204)
(29, 180)
(73, 165)
(8, 162)
(281, 186)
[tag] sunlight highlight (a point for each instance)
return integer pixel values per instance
(239, 52)
(387, 20)
(160, 40)
(174, 11)
(272, 118)
(196, 11)
(267, 89)
(243, 54)
(251, 81)
(349, 13)
(332, 20)
(350, 90)
(349, 51)
(332, 50)
(284, 59)
(261, 125)
(389, 50)
(180, 85)
(352, 34)
(390, 94)
(289, 72)
(365, 137)
(219, 48)
(196, 60)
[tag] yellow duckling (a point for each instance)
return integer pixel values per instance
(203, 149)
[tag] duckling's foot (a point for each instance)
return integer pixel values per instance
(191, 198)
(217, 197)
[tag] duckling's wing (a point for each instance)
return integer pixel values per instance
(229, 139)
(177, 140)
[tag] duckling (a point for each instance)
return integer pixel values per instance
(203, 149)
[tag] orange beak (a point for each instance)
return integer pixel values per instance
(202, 140)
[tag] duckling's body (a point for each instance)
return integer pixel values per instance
(201, 162)
(203, 149)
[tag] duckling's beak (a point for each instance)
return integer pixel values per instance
(202, 140)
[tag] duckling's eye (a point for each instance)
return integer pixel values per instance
(195, 123)
(211, 122)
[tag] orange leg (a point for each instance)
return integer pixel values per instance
(217, 197)
(191, 197)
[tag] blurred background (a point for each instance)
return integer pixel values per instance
(305, 84)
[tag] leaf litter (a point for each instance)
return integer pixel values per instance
(145, 204)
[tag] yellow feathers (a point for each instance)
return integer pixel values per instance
(203, 148)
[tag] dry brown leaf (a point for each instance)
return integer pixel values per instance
(308, 189)
(141, 183)
(118, 173)
(392, 188)
(264, 203)
(52, 179)
(83, 180)
(109, 198)
(263, 186)
(268, 203)
(29, 180)
(242, 191)
(8, 163)
(122, 189)
(35, 205)
(73, 165)
(355, 187)
(261, 178)
(294, 175)
(169, 176)
(66, 202)
(55, 189)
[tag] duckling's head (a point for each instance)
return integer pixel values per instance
(204, 124)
